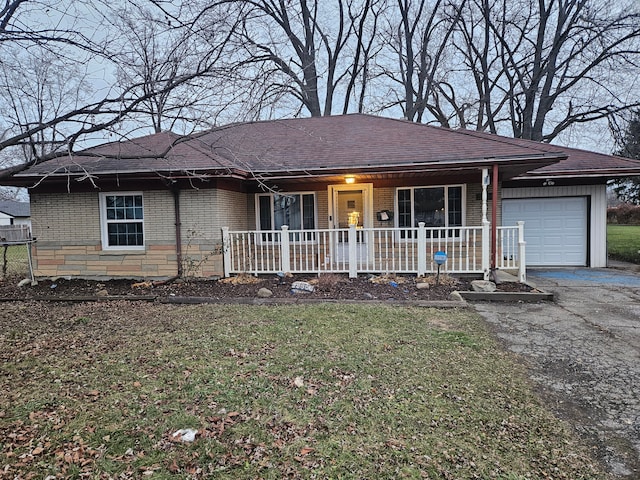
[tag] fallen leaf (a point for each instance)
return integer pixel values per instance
(137, 384)
(298, 382)
(173, 468)
(306, 451)
(37, 451)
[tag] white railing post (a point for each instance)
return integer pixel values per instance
(422, 249)
(285, 250)
(353, 251)
(226, 251)
(522, 264)
(486, 249)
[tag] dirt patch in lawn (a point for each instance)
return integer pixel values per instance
(329, 286)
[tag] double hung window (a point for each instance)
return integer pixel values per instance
(122, 221)
(437, 207)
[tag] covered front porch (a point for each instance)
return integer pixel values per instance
(357, 250)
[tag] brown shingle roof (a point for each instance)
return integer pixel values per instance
(583, 163)
(317, 146)
(294, 146)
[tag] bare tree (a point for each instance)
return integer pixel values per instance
(311, 51)
(365, 22)
(541, 66)
(419, 34)
(72, 34)
(34, 89)
(156, 53)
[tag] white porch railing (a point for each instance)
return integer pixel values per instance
(371, 250)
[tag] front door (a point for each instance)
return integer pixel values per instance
(350, 205)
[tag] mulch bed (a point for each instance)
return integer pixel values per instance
(329, 286)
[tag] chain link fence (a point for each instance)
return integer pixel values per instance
(15, 252)
(14, 260)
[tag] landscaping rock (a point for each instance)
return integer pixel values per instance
(264, 293)
(483, 286)
(456, 296)
(24, 282)
(102, 293)
(421, 285)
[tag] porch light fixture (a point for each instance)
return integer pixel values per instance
(350, 179)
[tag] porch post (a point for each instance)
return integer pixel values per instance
(226, 251)
(422, 249)
(285, 250)
(486, 249)
(485, 181)
(494, 216)
(486, 235)
(353, 251)
(522, 265)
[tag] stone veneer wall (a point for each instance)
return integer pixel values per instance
(67, 228)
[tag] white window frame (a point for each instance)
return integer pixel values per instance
(463, 200)
(261, 240)
(104, 222)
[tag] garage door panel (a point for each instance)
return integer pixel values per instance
(553, 223)
(555, 228)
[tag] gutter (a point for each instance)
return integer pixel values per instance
(176, 207)
(413, 167)
(596, 174)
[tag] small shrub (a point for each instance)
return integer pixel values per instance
(624, 214)
(328, 281)
(444, 279)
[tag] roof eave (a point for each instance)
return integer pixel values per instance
(24, 179)
(613, 173)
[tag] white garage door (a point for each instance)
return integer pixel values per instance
(555, 229)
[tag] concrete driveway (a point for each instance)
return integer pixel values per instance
(583, 352)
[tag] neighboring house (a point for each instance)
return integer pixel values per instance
(358, 193)
(14, 213)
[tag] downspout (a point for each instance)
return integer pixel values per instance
(176, 207)
(494, 217)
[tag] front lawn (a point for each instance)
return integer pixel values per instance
(97, 390)
(623, 243)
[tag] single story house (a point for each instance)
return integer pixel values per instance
(352, 193)
(14, 213)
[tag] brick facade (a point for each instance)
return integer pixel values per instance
(67, 228)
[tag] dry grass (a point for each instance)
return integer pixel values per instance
(97, 390)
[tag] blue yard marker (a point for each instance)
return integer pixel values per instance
(440, 258)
